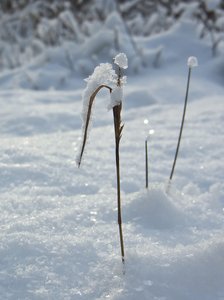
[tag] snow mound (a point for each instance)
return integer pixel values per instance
(155, 210)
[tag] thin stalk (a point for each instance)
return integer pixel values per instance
(146, 165)
(182, 124)
(118, 130)
(86, 126)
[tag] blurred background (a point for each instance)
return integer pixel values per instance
(78, 34)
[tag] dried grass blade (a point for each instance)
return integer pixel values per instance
(86, 126)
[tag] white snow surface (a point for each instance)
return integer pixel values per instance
(59, 233)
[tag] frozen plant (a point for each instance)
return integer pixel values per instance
(104, 76)
(191, 62)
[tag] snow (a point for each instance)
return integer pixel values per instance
(121, 60)
(102, 75)
(192, 61)
(116, 96)
(59, 233)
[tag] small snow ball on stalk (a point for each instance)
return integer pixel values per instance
(104, 76)
(121, 60)
(191, 62)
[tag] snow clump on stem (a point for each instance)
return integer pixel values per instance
(121, 60)
(116, 96)
(192, 62)
(104, 76)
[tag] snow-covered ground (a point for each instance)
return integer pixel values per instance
(59, 235)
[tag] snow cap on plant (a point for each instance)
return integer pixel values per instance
(192, 62)
(102, 74)
(121, 60)
(116, 95)
(101, 77)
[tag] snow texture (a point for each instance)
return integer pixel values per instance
(59, 235)
(116, 96)
(102, 75)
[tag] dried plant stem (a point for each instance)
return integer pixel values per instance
(118, 130)
(182, 124)
(86, 126)
(146, 165)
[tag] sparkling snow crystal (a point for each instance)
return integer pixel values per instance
(121, 60)
(192, 62)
